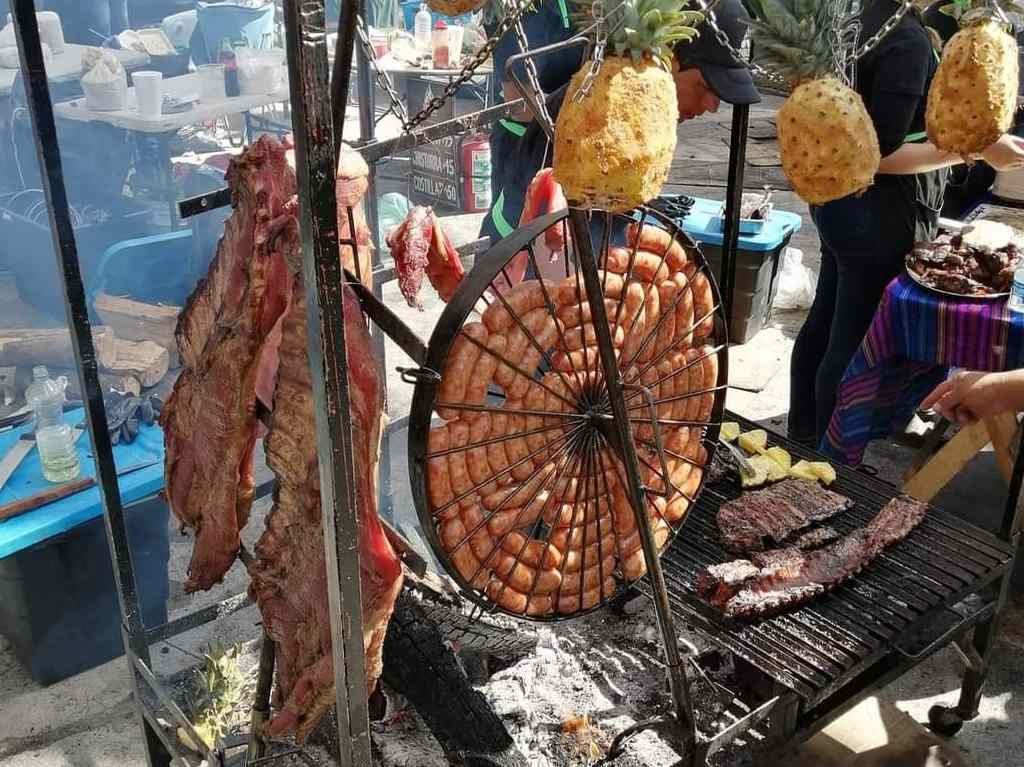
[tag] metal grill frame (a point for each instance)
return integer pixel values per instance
(862, 641)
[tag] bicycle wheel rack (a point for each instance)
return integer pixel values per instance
(318, 130)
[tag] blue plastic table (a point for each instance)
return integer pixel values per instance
(60, 516)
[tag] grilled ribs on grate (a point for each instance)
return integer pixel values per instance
(775, 580)
(247, 315)
(771, 515)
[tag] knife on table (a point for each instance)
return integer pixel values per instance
(58, 492)
(12, 458)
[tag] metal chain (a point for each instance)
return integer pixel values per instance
(534, 79)
(383, 78)
(885, 29)
(597, 56)
(516, 9)
(869, 44)
(844, 31)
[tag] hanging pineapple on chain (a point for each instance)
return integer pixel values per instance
(827, 142)
(973, 95)
(614, 143)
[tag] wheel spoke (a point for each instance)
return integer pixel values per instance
(674, 373)
(494, 441)
(679, 397)
(507, 411)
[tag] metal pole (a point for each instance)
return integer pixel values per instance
(367, 133)
(733, 202)
(323, 276)
(342, 69)
(623, 439)
(76, 311)
(257, 747)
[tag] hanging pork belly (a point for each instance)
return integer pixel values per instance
(242, 336)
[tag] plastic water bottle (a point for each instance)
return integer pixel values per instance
(421, 27)
(1015, 303)
(57, 452)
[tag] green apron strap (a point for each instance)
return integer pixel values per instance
(498, 216)
(915, 138)
(513, 127)
(565, 14)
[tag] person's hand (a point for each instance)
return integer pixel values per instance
(967, 397)
(1005, 154)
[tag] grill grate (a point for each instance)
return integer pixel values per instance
(816, 649)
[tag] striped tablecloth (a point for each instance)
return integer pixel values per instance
(914, 339)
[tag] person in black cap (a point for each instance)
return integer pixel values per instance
(705, 72)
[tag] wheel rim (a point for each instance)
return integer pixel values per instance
(513, 460)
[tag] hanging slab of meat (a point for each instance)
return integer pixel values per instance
(243, 336)
(289, 577)
(777, 580)
(420, 246)
(410, 243)
(544, 195)
(771, 515)
(444, 268)
(351, 186)
(209, 421)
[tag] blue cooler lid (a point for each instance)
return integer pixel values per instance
(704, 225)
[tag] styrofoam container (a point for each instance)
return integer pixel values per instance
(259, 72)
(211, 83)
(106, 96)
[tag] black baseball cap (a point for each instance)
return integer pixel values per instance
(728, 77)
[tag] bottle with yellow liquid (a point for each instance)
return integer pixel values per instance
(54, 438)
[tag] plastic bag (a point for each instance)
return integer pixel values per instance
(796, 282)
(394, 207)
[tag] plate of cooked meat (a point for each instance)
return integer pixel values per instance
(977, 262)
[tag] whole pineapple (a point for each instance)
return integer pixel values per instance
(973, 95)
(827, 142)
(614, 146)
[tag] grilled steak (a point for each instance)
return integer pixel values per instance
(816, 538)
(243, 336)
(209, 421)
(775, 580)
(771, 515)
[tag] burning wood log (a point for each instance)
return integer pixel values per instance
(26, 347)
(138, 321)
(145, 360)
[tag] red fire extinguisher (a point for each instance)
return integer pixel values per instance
(476, 173)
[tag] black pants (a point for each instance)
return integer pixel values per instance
(864, 242)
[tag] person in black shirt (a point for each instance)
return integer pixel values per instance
(864, 238)
(705, 73)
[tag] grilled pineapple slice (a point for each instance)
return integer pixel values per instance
(754, 441)
(781, 457)
(730, 431)
(803, 470)
(824, 471)
(772, 469)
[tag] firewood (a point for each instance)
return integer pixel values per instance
(145, 360)
(26, 347)
(138, 321)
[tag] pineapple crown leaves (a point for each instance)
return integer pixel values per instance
(641, 28)
(791, 37)
(968, 12)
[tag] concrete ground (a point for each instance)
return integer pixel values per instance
(88, 720)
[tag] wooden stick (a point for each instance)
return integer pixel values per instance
(43, 497)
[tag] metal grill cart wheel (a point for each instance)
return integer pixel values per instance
(518, 472)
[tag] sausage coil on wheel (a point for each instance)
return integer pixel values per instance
(514, 457)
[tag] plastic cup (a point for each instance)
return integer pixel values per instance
(455, 35)
(149, 93)
(211, 83)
